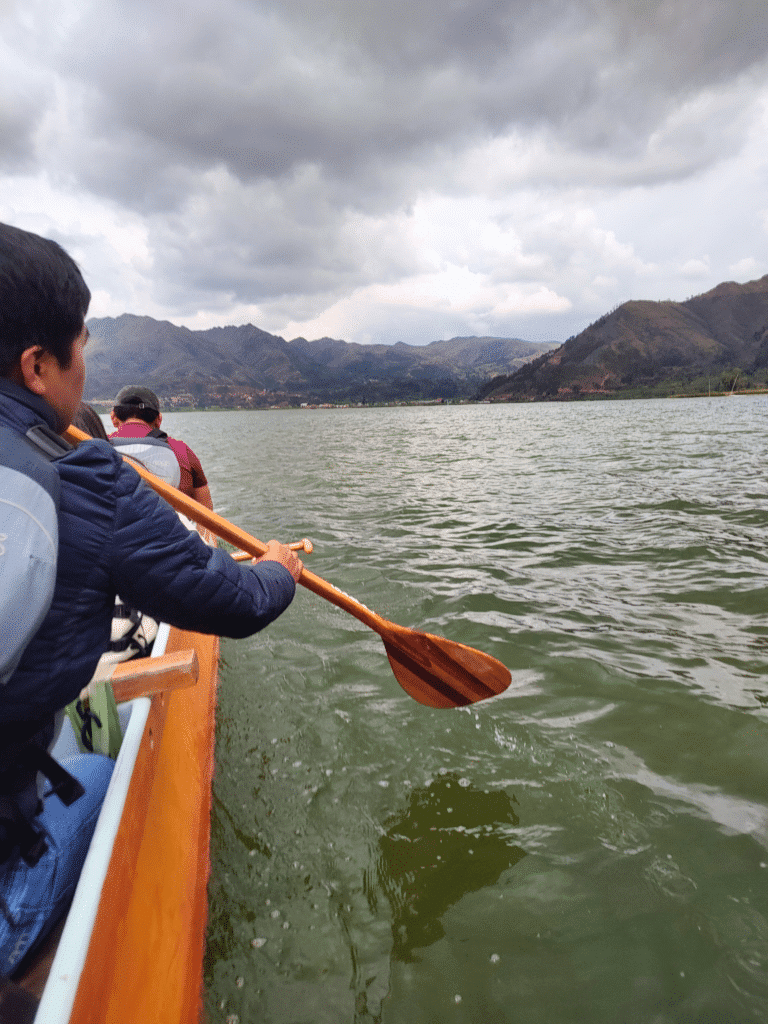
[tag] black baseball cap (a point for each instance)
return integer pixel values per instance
(141, 398)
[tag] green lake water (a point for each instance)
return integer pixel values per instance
(591, 846)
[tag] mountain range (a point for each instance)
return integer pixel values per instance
(247, 367)
(718, 340)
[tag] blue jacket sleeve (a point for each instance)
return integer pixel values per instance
(169, 572)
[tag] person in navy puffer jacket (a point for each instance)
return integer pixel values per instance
(115, 535)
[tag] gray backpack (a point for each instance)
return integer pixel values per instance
(29, 546)
(29, 536)
(153, 452)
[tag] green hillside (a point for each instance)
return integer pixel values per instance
(646, 347)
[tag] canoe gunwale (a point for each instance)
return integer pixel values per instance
(60, 990)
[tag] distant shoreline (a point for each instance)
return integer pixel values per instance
(105, 407)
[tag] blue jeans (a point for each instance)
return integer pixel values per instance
(37, 897)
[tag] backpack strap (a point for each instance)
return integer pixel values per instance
(48, 444)
(17, 830)
(63, 785)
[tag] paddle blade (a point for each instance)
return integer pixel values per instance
(440, 673)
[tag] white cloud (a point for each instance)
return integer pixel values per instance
(748, 269)
(696, 268)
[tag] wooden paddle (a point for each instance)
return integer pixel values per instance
(436, 672)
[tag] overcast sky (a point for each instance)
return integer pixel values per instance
(389, 170)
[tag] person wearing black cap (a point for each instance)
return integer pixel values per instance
(136, 416)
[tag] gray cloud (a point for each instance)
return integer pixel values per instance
(282, 157)
(266, 88)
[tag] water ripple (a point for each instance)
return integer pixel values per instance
(601, 829)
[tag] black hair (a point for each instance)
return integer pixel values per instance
(87, 419)
(133, 412)
(43, 298)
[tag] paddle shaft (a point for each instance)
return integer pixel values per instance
(227, 531)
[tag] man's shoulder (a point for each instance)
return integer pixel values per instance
(94, 465)
(181, 447)
(92, 452)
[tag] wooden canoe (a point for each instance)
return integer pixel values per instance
(133, 942)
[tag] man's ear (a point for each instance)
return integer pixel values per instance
(158, 421)
(116, 423)
(32, 366)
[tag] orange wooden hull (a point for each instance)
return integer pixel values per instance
(144, 962)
